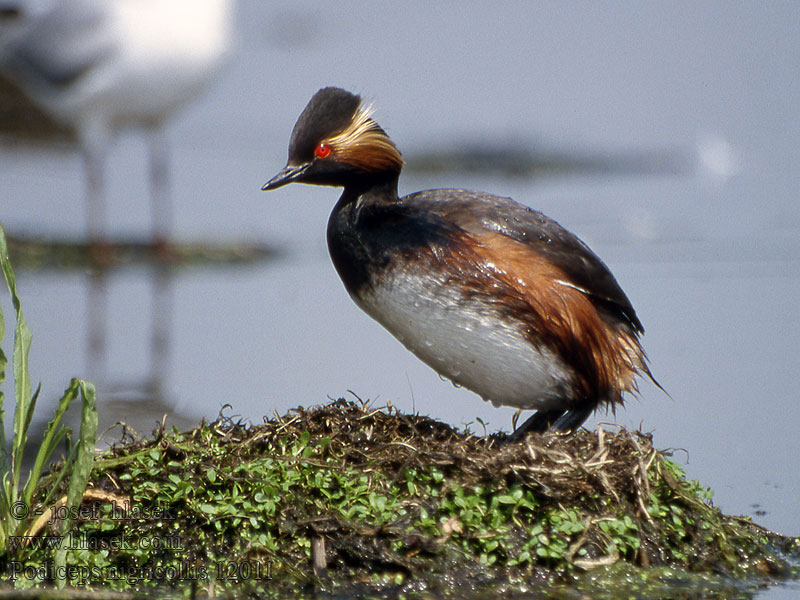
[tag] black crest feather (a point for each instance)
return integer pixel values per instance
(328, 112)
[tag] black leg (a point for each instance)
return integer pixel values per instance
(572, 419)
(555, 420)
(538, 422)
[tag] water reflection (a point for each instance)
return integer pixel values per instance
(132, 379)
(96, 317)
(146, 395)
(140, 401)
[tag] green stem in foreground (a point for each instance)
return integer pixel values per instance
(15, 506)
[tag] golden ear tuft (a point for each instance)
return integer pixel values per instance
(364, 145)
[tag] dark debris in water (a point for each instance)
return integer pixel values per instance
(33, 252)
(516, 157)
(350, 499)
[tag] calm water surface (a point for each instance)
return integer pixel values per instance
(710, 257)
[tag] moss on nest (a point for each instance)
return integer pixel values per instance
(347, 497)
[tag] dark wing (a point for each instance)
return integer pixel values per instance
(475, 212)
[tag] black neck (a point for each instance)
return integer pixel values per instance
(358, 238)
(381, 187)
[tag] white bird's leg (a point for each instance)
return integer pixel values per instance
(161, 204)
(161, 208)
(94, 161)
(94, 135)
(95, 138)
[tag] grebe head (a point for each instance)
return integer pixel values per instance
(335, 141)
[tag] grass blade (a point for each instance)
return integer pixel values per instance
(22, 382)
(4, 464)
(54, 433)
(81, 469)
(6, 494)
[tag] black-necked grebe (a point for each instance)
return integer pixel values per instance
(492, 295)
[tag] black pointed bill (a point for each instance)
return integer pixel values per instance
(287, 175)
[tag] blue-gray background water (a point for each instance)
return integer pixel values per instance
(692, 111)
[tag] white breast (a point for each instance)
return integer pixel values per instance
(467, 341)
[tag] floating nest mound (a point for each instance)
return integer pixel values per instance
(350, 498)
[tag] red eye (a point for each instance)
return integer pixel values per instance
(322, 151)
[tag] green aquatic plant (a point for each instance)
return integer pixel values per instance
(20, 520)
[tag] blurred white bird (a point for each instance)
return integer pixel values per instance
(101, 65)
